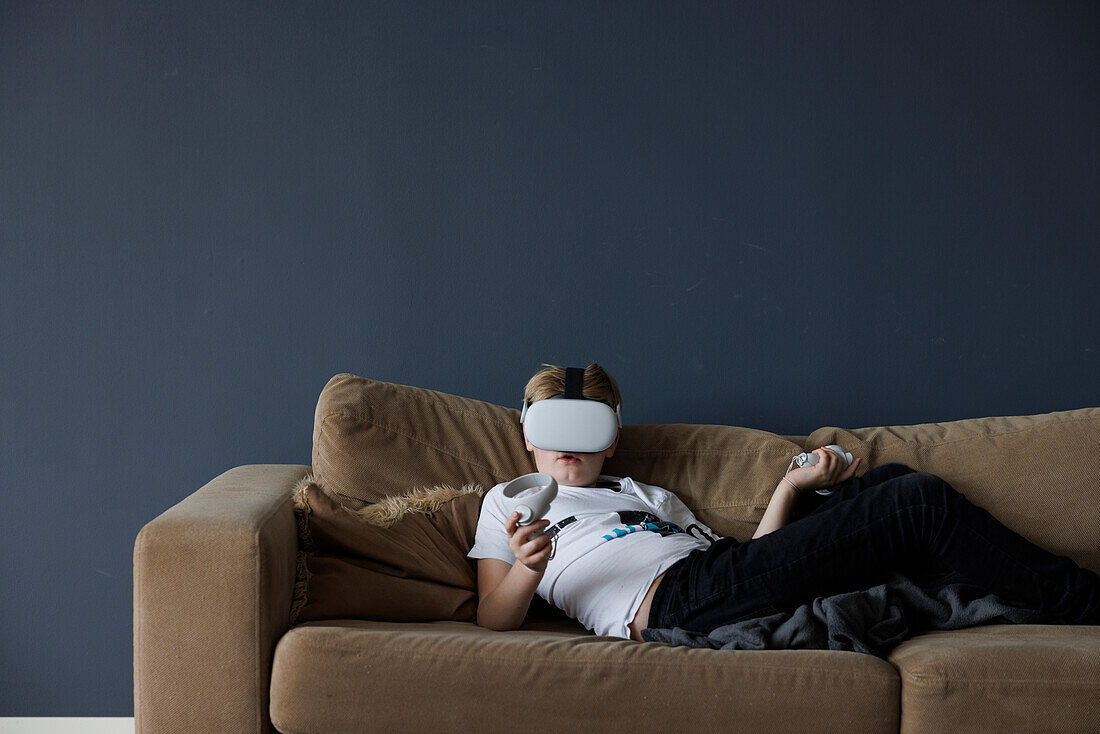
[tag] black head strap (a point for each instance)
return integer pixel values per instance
(574, 380)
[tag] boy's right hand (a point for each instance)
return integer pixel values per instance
(828, 470)
(529, 544)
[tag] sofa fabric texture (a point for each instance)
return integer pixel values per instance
(1032, 472)
(374, 439)
(449, 676)
(407, 563)
(1001, 678)
(213, 580)
(215, 648)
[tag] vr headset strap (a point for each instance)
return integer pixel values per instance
(574, 380)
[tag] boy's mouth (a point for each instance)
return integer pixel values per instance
(567, 458)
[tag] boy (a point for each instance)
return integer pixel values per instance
(620, 556)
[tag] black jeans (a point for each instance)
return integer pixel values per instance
(891, 519)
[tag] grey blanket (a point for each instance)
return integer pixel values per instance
(873, 620)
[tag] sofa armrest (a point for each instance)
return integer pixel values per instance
(213, 582)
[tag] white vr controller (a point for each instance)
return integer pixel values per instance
(530, 496)
(807, 459)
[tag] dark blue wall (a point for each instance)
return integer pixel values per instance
(771, 214)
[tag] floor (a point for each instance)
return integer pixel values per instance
(66, 725)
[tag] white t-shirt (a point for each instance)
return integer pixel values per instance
(609, 546)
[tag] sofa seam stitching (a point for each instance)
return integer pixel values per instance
(257, 587)
(721, 452)
(493, 658)
(876, 443)
(258, 722)
(138, 625)
(931, 681)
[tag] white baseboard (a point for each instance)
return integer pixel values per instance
(66, 725)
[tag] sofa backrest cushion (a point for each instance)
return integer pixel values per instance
(373, 439)
(1037, 474)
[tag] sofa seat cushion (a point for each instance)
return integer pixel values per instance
(351, 676)
(1018, 678)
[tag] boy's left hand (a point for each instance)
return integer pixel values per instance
(828, 470)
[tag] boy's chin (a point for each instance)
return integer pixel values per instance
(573, 477)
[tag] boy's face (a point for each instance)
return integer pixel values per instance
(571, 468)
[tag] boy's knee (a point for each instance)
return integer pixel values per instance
(893, 469)
(930, 488)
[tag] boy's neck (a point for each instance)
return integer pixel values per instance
(600, 483)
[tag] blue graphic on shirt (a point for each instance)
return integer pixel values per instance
(636, 520)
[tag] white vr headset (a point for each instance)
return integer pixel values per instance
(571, 422)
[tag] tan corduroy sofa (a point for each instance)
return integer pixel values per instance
(222, 579)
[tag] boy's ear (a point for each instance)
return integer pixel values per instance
(530, 446)
(610, 450)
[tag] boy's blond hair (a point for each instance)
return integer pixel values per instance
(597, 385)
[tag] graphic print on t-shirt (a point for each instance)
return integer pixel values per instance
(636, 520)
(633, 521)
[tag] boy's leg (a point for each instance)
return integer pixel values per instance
(860, 540)
(916, 568)
(812, 502)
